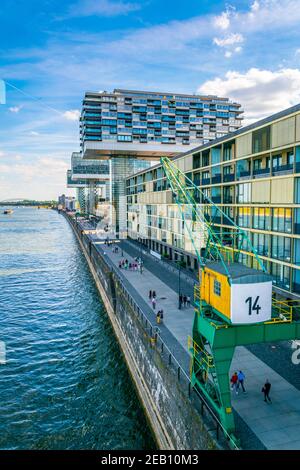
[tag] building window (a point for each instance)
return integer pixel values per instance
(281, 275)
(257, 164)
(205, 158)
(243, 168)
(297, 190)
(282, 220)
(276, 162)
(281, 248)
(261, 243)
(215, 155)
(196, 160)
(244, 217)
(244, 193)
(261, 140)
(261, 218)
(217, 288)
(227, 152)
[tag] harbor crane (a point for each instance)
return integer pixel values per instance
(233, 300)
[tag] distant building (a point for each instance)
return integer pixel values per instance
(66, 203)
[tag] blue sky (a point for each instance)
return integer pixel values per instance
(56, 50)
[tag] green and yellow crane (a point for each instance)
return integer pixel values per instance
(234, 305)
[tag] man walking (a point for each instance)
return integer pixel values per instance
(241, 378)
(266, 391)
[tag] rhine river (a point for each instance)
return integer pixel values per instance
(64, 384)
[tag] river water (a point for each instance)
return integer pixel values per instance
(63, 383)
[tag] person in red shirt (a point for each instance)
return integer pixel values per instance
(234, 382)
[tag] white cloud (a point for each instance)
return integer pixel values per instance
(228, 54)
(102, 8)
(72, 115)
(266, 14)
(233, 38)
(261, 92)
(15, 109)
(222, 21)
(255, 6)
(34, 133)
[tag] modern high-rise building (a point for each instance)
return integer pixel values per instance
(131, 129)
(92, 181)
(253, 174)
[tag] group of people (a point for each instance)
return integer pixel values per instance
(184, 300)
(125, 264)
(237, 381)
(152, 298)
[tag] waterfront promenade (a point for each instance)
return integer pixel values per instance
(259, 425)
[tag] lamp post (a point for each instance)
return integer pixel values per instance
(179, 280)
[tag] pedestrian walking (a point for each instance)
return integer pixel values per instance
(161, 315)
(184, 300)
(188, 300)
(234, 382)
(150, 295)
(180, 300)
(153, 303)
(241, 379)
(154, 294)
(266, 391)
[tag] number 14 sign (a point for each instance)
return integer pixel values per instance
(251, 303)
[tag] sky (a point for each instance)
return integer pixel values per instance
(56, 50)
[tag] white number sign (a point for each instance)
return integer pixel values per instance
(251, 303)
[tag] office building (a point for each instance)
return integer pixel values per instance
(131, 129)
(253, 174)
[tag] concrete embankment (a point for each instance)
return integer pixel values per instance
(158, 365)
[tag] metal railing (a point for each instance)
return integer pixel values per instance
(160, 344)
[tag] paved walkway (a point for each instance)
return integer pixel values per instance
(276, 425)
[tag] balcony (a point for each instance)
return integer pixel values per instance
(283, 169)
(261, 172)
(205, 181)
(229, 177)
(216, 179)
(244, 175)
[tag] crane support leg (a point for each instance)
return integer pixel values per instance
(212, 348)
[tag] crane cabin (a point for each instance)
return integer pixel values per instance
(238, 294)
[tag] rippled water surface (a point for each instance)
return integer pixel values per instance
(64, 384)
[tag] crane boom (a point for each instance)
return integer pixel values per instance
(192, 199)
